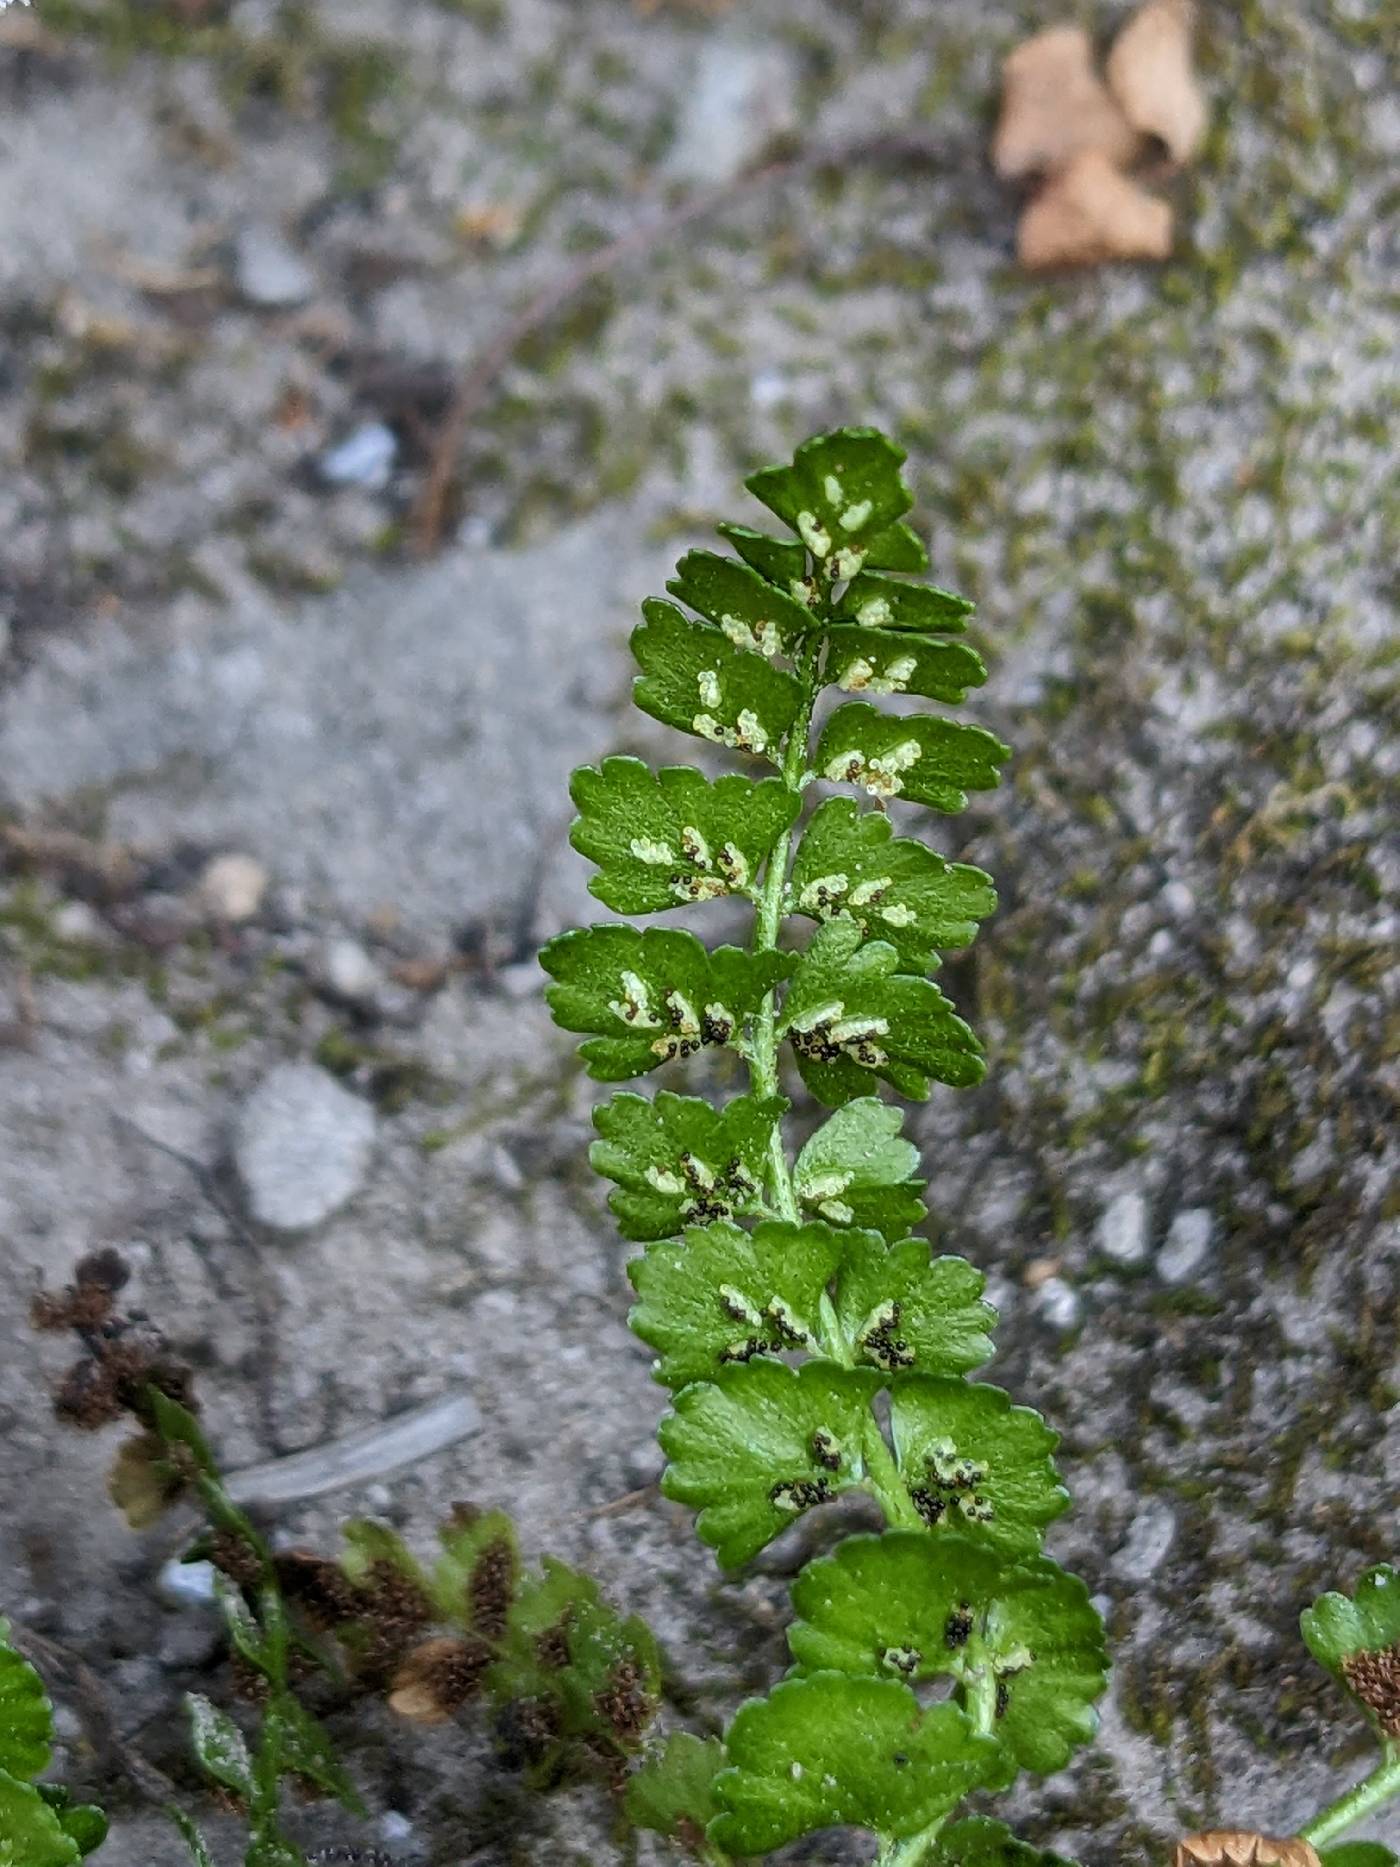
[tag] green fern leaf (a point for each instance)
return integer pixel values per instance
(897, 548)
(677, 1161)
(919, 757)
(26, 1718)
(219, 1746)
(672, 1793)
(975, 1465)
(777, 560)
(902, 1309)
(1360, 1854)
(867, 661)
(850, 1017)
(829, 1751)
(80, 1821)
(907, 1605)
(695, 679)
(722, 1296)
(652, 995)
(879, 602)
(858, 1170)
(978, 1841)
(1357, 1638)
(302, 1747)
(841, 494)
(850, 865)
(474, 1579)
(752, 612)
(663, 839)
(761, 1444)
(31, 1834)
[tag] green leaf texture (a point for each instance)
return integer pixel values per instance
(750, 610)
(919, 757)
(677, 1161)
(673, 1793)
(26, 1719)
(875, 601)
(695, 679)
(974, 1465)
(721, 1295)
(830, 1751)
(651, 995)
(868, 661)
(842, 494)
(850, 1017)
(858, 1170)
(761, 1444)
(902, 1310)
(907, 1605)
(978, 1841)
(850, 865)
(1357, 1638)
(664, 839)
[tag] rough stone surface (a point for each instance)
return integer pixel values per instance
(1171, 493)
(301, 1145)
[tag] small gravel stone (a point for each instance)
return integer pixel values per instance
(1057, 1303)
(302, 1146)
(348, 971)
(232, 887)
(1122, 1232)
(1144, 1549)
(75, 920)
(1187, 1246)
(186, 1584)
(364, 458)
(268, 272)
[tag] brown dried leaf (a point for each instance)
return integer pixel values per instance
(1089, 213)
(1054, 106)
(1150, 73)
(1239, 1847)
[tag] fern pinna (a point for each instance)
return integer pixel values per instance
(812, 1345)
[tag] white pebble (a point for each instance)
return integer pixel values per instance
(1122, 1231)
(302, 1146)
(232, 887)
(186, 1584)
(1187, 1246)
(1150, 1536)
(1057, 1303)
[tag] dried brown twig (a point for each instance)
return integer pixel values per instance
(429, 514)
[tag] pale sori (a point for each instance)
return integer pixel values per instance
(812, 1346)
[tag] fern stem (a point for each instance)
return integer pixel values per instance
(882, 1476)
(1361, 1799)
(763, 1048)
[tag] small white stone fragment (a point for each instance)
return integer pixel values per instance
(1122, 1230)
(1150, 1536)
(268, 273)
(349, 972)
(364, 458)
(232, 887)
(1187, 1246)
(1057, 1303)
(186, 1584)
(301, 1146)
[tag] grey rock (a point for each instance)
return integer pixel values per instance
(1122, 1230)
(347, 971)
(1057, 1303)
(232, 887)
(186, 1584)
(1187, 1246)
(1150, 1536)
(302, 1145)
(743, 94)
(364, 458)
(268, 272)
